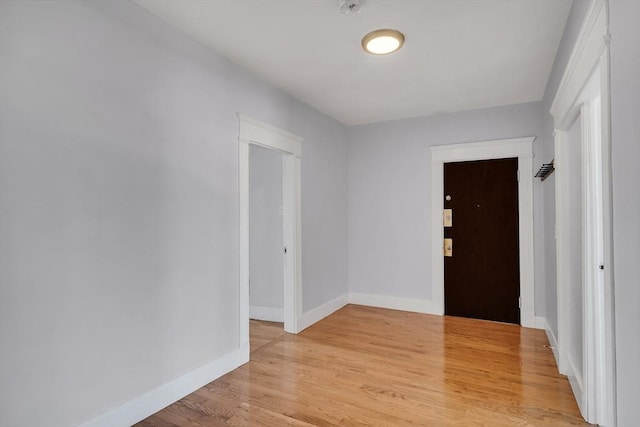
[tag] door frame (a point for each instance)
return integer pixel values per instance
(522, 148)
(255, 132)
(586, 71)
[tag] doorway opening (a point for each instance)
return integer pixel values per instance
(266, 246)
(281, 261)
(520, 148)
(585, 338)
(481, 257)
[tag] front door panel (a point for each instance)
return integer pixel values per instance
(482, 274)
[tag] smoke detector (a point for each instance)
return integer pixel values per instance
(350, 6)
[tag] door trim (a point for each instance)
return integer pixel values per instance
(590, 57)
(522, 148)
(255, 132)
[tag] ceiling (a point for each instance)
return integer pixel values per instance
(458, 54)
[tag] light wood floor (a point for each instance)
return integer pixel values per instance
(375, 367)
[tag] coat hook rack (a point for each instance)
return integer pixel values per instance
(545, 170)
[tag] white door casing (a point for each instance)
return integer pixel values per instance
(522, 148)
(252, 131)
(584, 93)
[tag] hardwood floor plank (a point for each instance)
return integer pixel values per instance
(368, 366)
(264, 333)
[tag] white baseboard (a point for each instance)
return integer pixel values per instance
(270, 314)
(540, 322)
(575, 380)
(149, 403)
(553, 342)
(381, 301)
(416, 305)
(155, 400)
(530, 320)
(320, 312)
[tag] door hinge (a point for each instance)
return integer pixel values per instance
(518, 175)
(519, 302)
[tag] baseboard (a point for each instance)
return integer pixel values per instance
(553, 343)
(575, 381)
(416, 305)
(540, 322)
(149, 403)
(270, 314)
(320, 312)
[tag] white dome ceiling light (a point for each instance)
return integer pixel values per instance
(382, 42)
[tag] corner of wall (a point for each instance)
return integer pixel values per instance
(315, 315)
(149, 403)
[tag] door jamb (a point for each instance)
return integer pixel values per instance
(522, 148)
(254, 132)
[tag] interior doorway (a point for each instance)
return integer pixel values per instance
(581, 119)
(585, 338)
(266, 235)
(266, 246)
(253, 133)
(520, 148)
(481, 257)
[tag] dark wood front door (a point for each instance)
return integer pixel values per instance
(482, 277)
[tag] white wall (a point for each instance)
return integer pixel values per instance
(390, 194)
(266, 262)
(624, 24)
(119, 209)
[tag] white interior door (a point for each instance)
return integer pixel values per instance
(582, 303)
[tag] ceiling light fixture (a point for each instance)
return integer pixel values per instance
(382, 42)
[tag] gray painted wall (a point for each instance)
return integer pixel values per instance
(390, 194)
(572, 28)
(119, 209)
(118, 183)
(266, 242)
(624, 21)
